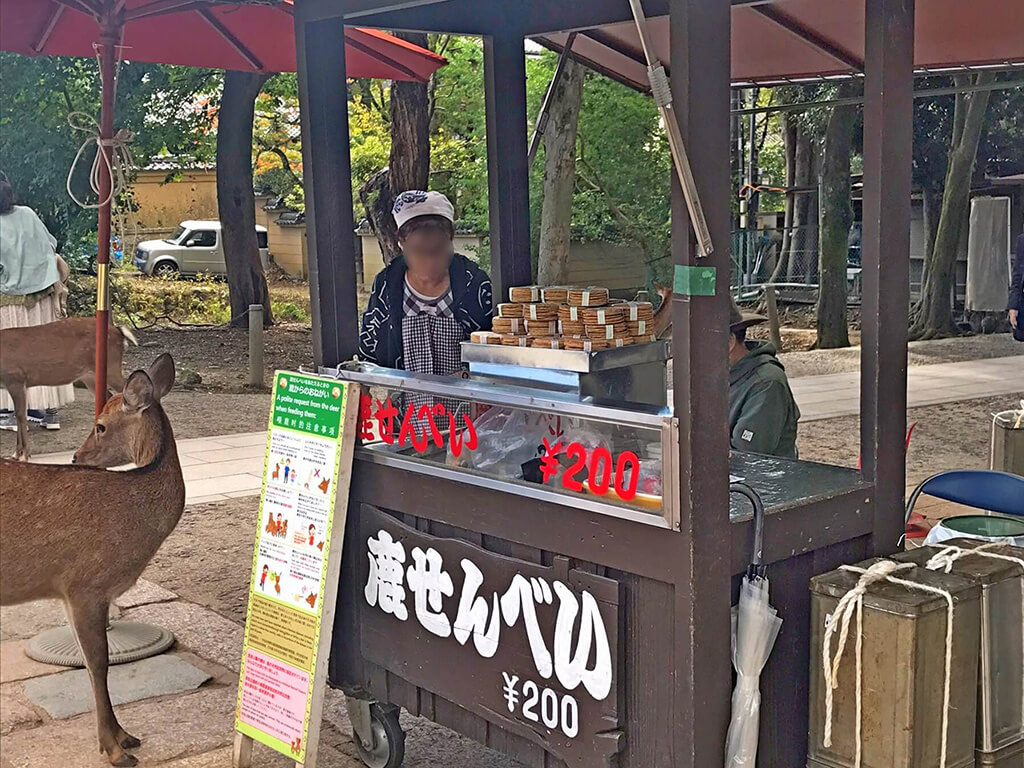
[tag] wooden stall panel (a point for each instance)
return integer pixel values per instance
(533, 649)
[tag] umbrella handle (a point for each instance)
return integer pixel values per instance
(756, 569)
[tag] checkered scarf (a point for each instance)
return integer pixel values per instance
(431, 336)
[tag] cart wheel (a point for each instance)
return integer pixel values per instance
(388, 739)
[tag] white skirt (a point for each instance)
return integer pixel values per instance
(46, 310)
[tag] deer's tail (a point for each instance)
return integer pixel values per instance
(128, 336)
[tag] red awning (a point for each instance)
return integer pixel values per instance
(794, 39)
(254, 37)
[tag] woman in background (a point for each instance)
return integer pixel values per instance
(28, 296)
(1016, 298)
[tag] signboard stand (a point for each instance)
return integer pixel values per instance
(308, 469)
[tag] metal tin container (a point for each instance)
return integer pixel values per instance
(903, 673)
(1000, 733)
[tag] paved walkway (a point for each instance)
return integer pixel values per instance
(838, 394)
(229, 466)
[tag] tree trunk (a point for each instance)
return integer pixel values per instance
(247, 283)
(803, 261)
(409, 161)
(836, 220)
(559, 176)
(789, 139)
(933, 316)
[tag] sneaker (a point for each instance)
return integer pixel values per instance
(35, 416)
(50, 420)
(8, 421)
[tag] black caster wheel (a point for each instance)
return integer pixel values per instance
(388, 749)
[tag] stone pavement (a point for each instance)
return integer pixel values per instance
(838, 394)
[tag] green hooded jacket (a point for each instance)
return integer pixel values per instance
(762, 412)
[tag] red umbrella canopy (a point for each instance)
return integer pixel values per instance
(252, 36)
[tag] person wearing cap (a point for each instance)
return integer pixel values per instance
(762, 412)
(428, 300)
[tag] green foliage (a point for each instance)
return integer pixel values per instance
(165, 107)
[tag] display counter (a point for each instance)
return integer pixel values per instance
(512, 564)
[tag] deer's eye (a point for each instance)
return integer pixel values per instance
(100, 429)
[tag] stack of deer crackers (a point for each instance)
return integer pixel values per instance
(568, 317)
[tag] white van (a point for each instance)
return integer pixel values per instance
(195, 248)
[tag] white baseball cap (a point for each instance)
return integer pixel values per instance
(415, 202)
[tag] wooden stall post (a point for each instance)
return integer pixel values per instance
(323, 102)
(700, 86)
(888, 118)
(507, 164)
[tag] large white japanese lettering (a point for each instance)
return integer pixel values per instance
(429, 582)
(384, 587)
(472, 616)
(571, 669)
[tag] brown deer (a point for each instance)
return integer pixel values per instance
(54, 354)
(85, 534)
(663, 316)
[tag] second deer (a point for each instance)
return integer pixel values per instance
(86, 534)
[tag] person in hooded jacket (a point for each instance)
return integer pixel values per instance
(762, 412)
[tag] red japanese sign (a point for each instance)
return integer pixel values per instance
(598, 469)
(418, 426)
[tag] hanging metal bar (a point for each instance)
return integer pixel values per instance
(542, 117)
(662, 93)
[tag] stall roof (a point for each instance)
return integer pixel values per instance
(791, 40)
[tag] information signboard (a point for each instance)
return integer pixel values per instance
(295, 565)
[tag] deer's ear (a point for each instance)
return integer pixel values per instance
(161, 373)
(138, 392)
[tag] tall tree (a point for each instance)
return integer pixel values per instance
(247, 283)
(559, 176)
(836, 220)
(803, 255)
(933, 315)
(409, 159)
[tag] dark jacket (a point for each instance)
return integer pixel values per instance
(1016, 298)
(762, 412)
(380, 338)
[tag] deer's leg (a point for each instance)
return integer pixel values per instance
(89, 615)
(19, 396)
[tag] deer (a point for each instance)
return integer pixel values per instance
(86, 533)
(663, 316)
(53, 354)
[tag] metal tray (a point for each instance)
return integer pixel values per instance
(567, 359)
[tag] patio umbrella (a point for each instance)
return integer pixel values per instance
(255, 36)
(755, 625)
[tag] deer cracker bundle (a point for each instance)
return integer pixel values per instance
(485, 337)
(510, 340)
(524, 294)
(546, 342)
(555, 294)
(545, 312)
(541, 328)
(610, 315)
(509, 325)
(594, 296)
(639, 310)
(640, 327)
(586, 345)
(510, 310)
(617, 331)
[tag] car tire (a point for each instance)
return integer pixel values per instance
(167, 270)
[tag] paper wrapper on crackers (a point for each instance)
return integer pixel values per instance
(570, 314)
(485, 337)
(510, 310)
(639, 310)
(539, 328)
(586, 345)
(546, 342)
(610, 315)
(509, 325)
(510, 340)
(523, 294)
(545, 312)
(594, 296)
(555, 294)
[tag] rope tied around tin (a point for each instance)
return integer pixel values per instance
(943, 561)
(852, 603)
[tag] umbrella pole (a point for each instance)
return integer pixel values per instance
(109, 39)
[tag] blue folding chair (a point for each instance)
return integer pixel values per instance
(979, 488)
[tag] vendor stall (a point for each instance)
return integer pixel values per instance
(580, 615)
